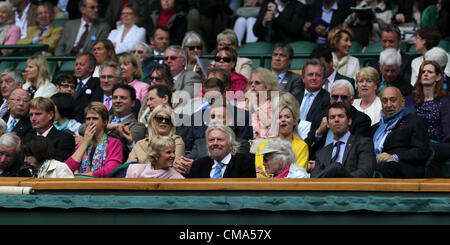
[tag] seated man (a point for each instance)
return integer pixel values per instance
(17, 118)
(390, 68)
(10, 79)
(66, 84)
(400, 139)
(350, 156)
(223, 160)
(11, 163)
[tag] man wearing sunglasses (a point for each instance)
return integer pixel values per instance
(187, 81)
(79, 35)
(342, 91)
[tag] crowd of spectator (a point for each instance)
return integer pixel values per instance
(143, 101)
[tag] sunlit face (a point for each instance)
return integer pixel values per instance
(194, 49)
(40, 119)
(286, 122)
(342, 95)
(32, 71)
(390, 72)
(44, 16)
(166, 158)
(390, 40)
(391, 100)
(128, 70)
(82, 69)
(366, 87)
(139, 52)
(66, 87)
(173, 59)
(162, 123)
(4, 15)
(338, 122)
(122, 102)
(156, 78)
(218, 145)
(420, 44)
(223, 60)
(429, 75)
(127, 16)
(257, 84)
(161, 40)
(19, 103)
(100, 53)
(280, 61)
(90, 11)
(108, 79)
(93, 118)
(343, 46)
(7, 85)
(224, 42)
(153, 100)
(313, 78)
(272, 165)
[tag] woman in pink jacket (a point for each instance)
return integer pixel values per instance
(9, 33)
(97, 154)
(131, 73)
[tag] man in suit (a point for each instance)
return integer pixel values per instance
(223, 160)
(16, 118)
(350, 156)
(401, 139)
(25, 15)
(325, 56)
(110, 75)
(391, 38)
(341, 91)
(186, 83)
(313, 99)
(10, 79)
(11, 163)
(45, 32)
(282, 56)
(159, 40)
(88, 88)
(390, 68)
(80, 35)
(42, 115)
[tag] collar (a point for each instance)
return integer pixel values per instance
(314, 93)
(24, 13)
(334, 7)
(225, 160)
(343, 138)
(280, 76)
(11, 118)
(84, 81)
(123, 118)
(46, 132)
(83, 22)
(177, 76)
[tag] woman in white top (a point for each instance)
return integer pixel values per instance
(38, 77)
(368, 82)
(39, 154)
(340, 41)
(128, 34)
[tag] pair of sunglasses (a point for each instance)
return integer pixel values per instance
(192, 48)
(336, 97)
(160, 119)
(225, 59)
(171, 57)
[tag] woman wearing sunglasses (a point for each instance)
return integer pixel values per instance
(144, 54)
(193, 45)
(161, 123)
(97, 154)
(225, 58)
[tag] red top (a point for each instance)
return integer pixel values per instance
(164, 16)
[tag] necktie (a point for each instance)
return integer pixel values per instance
(306, 106)
(336, 155)
(3, 109)
(76, 49)
(108, 102)
(116, 120)
(41, 31)
(11, 125)
(218, 171)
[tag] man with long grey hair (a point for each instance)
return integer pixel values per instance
(223, 161)
(11, 163)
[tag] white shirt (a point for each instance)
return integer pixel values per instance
(22, 22)
(81, 30)
(45, 133)
(225, 161)
(329, 83)
(10, 120)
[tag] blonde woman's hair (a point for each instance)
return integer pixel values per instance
(287, 100)
(156, 145)
(268, 78)
(369, 73)
(128, 57)
(335, 35)
(164, 109)
(44, 74)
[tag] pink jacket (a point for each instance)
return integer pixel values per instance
(139, 170)
(141, 89)
(114, 158)
(12, 37)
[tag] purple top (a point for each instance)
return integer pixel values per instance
(436, 115)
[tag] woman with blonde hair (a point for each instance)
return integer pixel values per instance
(340, 41)
(161, 123)
(39, 78)
(368, 82)
(131, 73)
(161, 157)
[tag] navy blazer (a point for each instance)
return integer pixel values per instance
(240, 166)
(89, 93)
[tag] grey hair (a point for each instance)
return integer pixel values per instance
(3, 127)
(178, 48)
(148, 50)
(390, 56)
(228, 34)
(343, 83)
(284, 152)
(10, 9)
(231, 136)
(15, 74)
(113, 65)
(437, 54)
(10, 140)
(315, 62)
(190, 37)
(156, 145)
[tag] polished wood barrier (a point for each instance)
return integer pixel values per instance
(376, 185)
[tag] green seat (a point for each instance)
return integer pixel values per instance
(303, 47)
(298, 63)
(59, 22)
(445, 169)
(255, 51)
(445, 45)
(68, 66)
(21, 66)
(429, 16)
(377, 47)
(6, 64)
(356, 48)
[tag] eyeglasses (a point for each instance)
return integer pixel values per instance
(20, 100)
(107, 77)
(256, 82)
(171, 57)
(92, 7)
(336, 97)
(192, 48)
(138, 51)
(160, 119)
(127, 13)
(225, 59)
(66, 86)
(158, 79)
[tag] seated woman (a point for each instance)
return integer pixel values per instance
(368, 82)
(161, 157)
(103, 51)
(340, 41)
(131, 73)
(433, 105)
(161, 123)
(228, 39)
(65, 113)
(9, 33)
(279, 160)
(40, 155)
(97, 154)
(289, 116)
(194, 46)
(39, 79)
(144, 53)
(128, 34)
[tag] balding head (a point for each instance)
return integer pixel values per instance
(392, 100)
